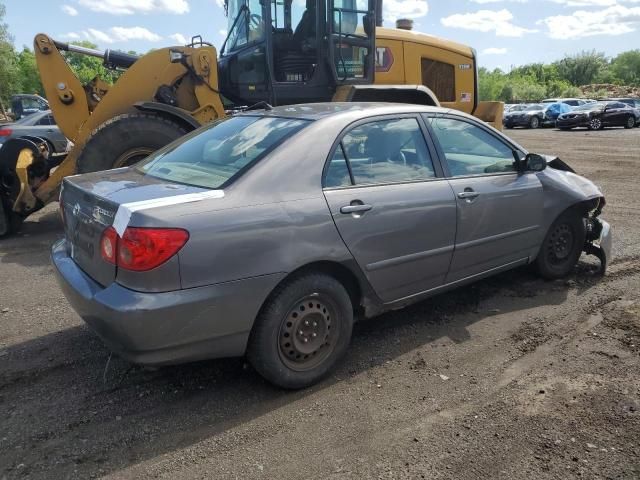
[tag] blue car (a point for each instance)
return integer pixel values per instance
(553, 111)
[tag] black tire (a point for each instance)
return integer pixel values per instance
(125, 140)
(562, 246)
(534, 122)
(595, 124)
(630, 123)
(303, 329)
(10, 221)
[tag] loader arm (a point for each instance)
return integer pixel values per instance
(192, 72)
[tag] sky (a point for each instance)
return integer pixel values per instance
(505, 33)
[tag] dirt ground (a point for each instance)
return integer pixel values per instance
(510, 378)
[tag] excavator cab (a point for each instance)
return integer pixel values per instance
(289, 51)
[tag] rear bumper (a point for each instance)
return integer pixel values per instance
(170, 327)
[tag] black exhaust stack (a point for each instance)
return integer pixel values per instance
(379, 19)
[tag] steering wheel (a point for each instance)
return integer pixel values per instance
(255, 20)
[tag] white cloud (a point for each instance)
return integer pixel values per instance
(593, 3)
(615, 20)
(394, 9)
(130, 7)
(498, 21)
(114, 35)
(223, 32)
(494, 51)
(69, 10)
(498, 1)
(179, 38)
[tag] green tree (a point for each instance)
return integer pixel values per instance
(582, 68)
(29, 75)
(626, 68)
(9, 69)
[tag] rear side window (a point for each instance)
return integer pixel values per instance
(213, 156)
(384, 151)
(440, 78)
(46, 120)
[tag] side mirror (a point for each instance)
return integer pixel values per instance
(534, 163)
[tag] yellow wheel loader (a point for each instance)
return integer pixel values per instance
(277, 52)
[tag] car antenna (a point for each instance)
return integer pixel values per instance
(262, 105)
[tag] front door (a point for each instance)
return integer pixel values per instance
(499, 210)
(394, 213)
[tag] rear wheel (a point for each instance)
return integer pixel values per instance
(303, 329)
(534, 122)
(562, 246)
(631, 122)
(125, 140)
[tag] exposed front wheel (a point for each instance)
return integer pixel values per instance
(534, 122)
(562, 246)
(302, 330)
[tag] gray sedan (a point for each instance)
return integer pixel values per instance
(40, 124)
(268, 233)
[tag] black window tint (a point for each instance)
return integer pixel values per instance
(388, 151)
(46, 120)
(338, 172)
(471, 150)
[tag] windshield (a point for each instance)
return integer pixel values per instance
(533, 107)
(212, 157)
(244, 24)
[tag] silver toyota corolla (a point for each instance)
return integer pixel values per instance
(267, 233)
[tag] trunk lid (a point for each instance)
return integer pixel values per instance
(89, 204)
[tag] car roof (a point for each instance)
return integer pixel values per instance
(317, 111)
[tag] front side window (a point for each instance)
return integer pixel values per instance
(246, 25)
(385, 151)
(471, 150)
(212, 157)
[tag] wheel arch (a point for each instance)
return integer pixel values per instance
(175, 114)
(364, 300)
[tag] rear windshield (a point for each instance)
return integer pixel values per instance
(213, 156)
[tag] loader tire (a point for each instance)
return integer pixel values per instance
(125, 140)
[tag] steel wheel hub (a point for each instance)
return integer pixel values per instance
(305, 336)
(560, 243)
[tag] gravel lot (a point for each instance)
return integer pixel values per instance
(510, 378)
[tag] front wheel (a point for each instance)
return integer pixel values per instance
(630, 123)
(302, 331)
(595, 124)
(534, 122)
(562, 246)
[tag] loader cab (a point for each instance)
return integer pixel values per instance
(295, 51)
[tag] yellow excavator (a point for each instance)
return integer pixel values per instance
(277, 52)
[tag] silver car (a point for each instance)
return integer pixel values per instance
(40, 124)
(268, 233)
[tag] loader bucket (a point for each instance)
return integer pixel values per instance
(490, 112)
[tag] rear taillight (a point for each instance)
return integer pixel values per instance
(5, 132)
(141, 249)
(109, 245)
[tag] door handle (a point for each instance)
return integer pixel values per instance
(355, 208)
(468, 195)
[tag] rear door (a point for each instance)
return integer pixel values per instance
(499, 211)
(393, 209)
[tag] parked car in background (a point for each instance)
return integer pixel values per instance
(597, 116)
(39, 124)
(536, 115)
(632, 102)
(240, 239)
(23, 105)
(572, 102)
